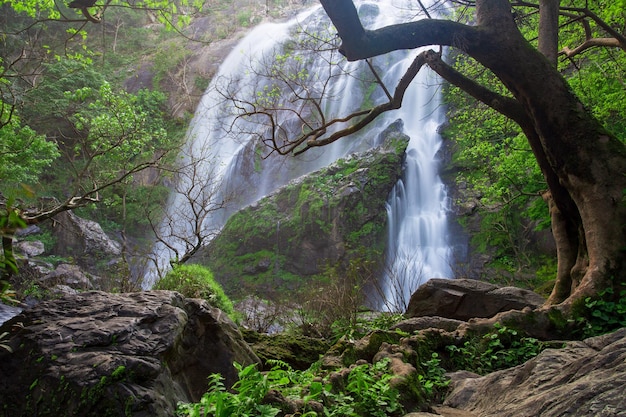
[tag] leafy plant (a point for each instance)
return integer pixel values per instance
(367, 392)
(499, 349)
(434, 381)
(244, 400)
(601, 314)
(196, 281)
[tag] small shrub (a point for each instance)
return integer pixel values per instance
(500, 349)
(366, 392)
(196, 281)
(601, 314)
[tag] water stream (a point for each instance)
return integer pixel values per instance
(417, 207)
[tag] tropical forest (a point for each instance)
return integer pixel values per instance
(339, 208)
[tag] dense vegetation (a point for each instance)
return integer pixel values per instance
(92, 116)
(70, 127)
(494, 159)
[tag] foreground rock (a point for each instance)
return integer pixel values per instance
(583, 379)
(464, 299)
(103, 354)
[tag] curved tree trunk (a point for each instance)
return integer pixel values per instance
(583, 164)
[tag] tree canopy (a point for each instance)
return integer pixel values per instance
(63, 124)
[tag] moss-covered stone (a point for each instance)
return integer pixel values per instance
(317, 221)
(299, 351)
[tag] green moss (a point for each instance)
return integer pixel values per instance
(296, 350)
(559, 321)
(262, 245)
(196, 281)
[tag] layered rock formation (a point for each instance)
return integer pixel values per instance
(100, 354)
(582, 379)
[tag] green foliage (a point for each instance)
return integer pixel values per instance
(601, 314)
(496, 164)
(499, 349)
(433, 382)
(173, 14)
(24, 154)
(597, 76)
(119, 131)
(44, 237)
(245, 400)
(7, 295)
(49, 103)
(195, 281)
(10, 222)
(367, 392)
(244, 18)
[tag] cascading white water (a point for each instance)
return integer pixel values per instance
(416, 207)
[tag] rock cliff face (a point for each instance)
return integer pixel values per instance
(324, 218)
(583, 379)
(99, 354)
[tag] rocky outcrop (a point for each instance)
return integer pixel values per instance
(298, 351)
(71, 275)
(103, 354)
(583, 379)
(322, 219)
(463, 299)
(82, 240)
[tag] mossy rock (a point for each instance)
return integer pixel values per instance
(323, 219)
(300, 352)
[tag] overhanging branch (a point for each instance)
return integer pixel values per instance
(394, 103)
(508, 106)
(358, 43)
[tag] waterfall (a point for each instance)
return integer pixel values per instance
(239, 176)
(417, 247)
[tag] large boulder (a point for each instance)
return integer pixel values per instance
(100, 354)
(322, 219)
(71, 275)
(84, 241)
(582, 379)
(463, 299)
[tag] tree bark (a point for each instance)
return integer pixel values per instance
(583, 164)
(549, 29)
